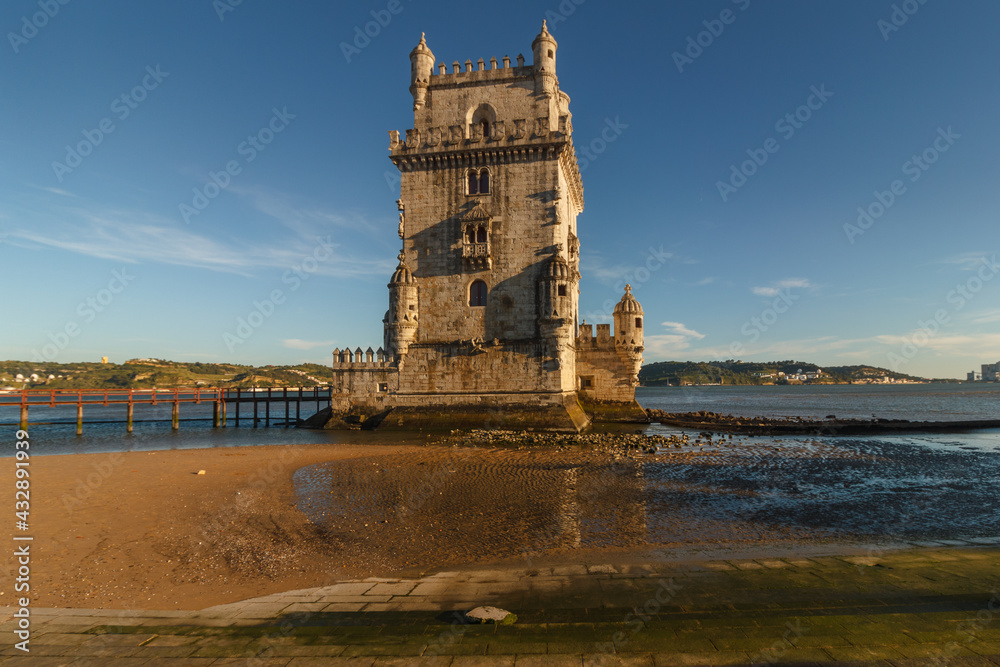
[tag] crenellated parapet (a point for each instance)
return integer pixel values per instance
(369, 359)
(586, 340)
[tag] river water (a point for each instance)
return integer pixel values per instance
(729, 491)
(53, 429)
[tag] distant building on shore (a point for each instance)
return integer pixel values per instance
(990, 373)
(482, 322)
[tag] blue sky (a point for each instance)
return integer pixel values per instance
(746, 137)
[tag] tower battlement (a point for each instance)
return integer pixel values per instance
(479, 71)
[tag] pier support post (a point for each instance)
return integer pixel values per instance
(175, 420)
(267, 409)
(128, 418)
(237, 407)
(223, 415)
(24, 417)
(215, 414)
(284, 397)
(255, 410)
(79, 418)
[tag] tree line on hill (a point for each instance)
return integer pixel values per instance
(677, 373)
(149, 373)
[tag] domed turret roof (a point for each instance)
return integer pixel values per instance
(402, 276)
(556, 268)
(422, 47)
(544, 35)
(628, 305)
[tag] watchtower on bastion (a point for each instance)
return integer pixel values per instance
(482, 321)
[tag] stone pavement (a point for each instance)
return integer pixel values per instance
(930, 605)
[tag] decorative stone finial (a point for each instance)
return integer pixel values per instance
(628, 288)
(402, 258)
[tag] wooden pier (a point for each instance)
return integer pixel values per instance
(220, 399)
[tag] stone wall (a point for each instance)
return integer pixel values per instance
(603, 374)
(516, 368)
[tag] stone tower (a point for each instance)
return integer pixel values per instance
(482, 318)
(628, 333)
(401, 319)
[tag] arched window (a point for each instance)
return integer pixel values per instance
(470, 235)
(477, 293)
(478, 181)
(481, 235)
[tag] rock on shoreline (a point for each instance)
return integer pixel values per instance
(704, 420)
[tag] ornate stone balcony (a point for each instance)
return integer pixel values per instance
(477, 256)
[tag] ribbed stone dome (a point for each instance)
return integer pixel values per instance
(556, 269)
(628, 305)
(402, 276)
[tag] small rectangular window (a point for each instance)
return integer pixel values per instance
(562, 290)
(383, 387)
(638, 323)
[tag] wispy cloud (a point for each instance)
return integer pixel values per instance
(775, 288)
(298, 344)
(984, 345)
(681, 330)
(985, 317)
(969, 261)
(666, 346)
(301, 218)
(54, 191)
(704, 281)
(136, 237)
(673, 344)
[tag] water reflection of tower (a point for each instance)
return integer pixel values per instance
(568, 511)
(614, 504)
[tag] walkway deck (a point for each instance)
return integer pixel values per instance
(937, 605)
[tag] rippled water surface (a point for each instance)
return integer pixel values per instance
(738, 492)
(104, 428)
(917, 402)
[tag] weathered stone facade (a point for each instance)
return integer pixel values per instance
(483, 306)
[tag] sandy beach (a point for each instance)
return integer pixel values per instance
(144, 530)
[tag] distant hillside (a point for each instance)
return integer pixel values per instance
(677, 373)
(149, 373)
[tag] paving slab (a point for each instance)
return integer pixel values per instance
(886, 608)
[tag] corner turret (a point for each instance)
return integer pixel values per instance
(421, 69)
(400, 321)
(556, 302)
(628, 333)
(544, 50)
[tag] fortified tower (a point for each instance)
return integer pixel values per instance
(482, 318)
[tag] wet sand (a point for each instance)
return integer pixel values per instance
(144, 530)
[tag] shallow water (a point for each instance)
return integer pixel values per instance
(457, 506)
(917, 402)
(56, 433)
